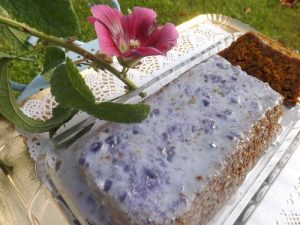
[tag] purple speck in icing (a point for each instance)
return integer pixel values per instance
(114, 161)
(230, 137)
(205, 76)
(234, 100)
(122, 197)
(255, 106)
(154, 112)
(234, 78)
(107, 185)
(222, 65)
(136, 130)
(161, 163)
(150, 178)
(90, 200)
(200, 92)
(216, 79)
(209, 125)
(171, 129)
(194, 128)
(225, 90)
(170, 110)
(188, 91)
(224, 115)
(150, 173)
(206, 102)
(95, 147)
(166, 137)
(126, 168)
(81, 161)
(170, 153)
(113, 140)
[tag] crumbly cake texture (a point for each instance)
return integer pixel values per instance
(268, 61)
(206, 130)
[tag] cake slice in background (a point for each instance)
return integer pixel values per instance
(269, 61)
(207, 129)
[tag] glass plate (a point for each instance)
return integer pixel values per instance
(75, 199)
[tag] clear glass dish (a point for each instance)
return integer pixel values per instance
(55, 201)
(72, 193)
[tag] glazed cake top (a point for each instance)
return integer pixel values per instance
(154, 169)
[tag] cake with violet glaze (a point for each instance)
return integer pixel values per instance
(268, 61)
(206, 130)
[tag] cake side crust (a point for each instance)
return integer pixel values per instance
(221, 187)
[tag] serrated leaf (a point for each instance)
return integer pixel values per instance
(11, 38)
(70, 90)
(3, 12)
(11, 111)
(53, 57)
(16, 40)
(8, 56)
(55, 17)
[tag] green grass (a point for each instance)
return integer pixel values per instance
(280, 23)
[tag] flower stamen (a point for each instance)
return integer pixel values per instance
(133, 43)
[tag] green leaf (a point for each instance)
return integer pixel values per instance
(10, 38)
(70, 90)
(10, 110)
(53, 57)
(55, 17)
(8, 56)
(16, 40)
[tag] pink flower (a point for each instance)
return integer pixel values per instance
(133, 36)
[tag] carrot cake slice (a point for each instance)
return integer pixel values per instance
(268, 61)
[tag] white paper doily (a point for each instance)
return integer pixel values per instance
(105, 85)
(281, 205)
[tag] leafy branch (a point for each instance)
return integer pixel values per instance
(63, 75)
(77, 95)
(69, 44)
(11, 111)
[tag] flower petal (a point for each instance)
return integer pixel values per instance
(137, 24)
(107, 44)
(142, 52)
(163, 38)
(111, 18)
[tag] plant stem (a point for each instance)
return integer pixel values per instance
(68, 44)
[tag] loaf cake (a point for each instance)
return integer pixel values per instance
(268, 61)
(206, 130)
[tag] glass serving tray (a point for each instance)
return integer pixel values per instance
(72, 193)
(56, 200)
